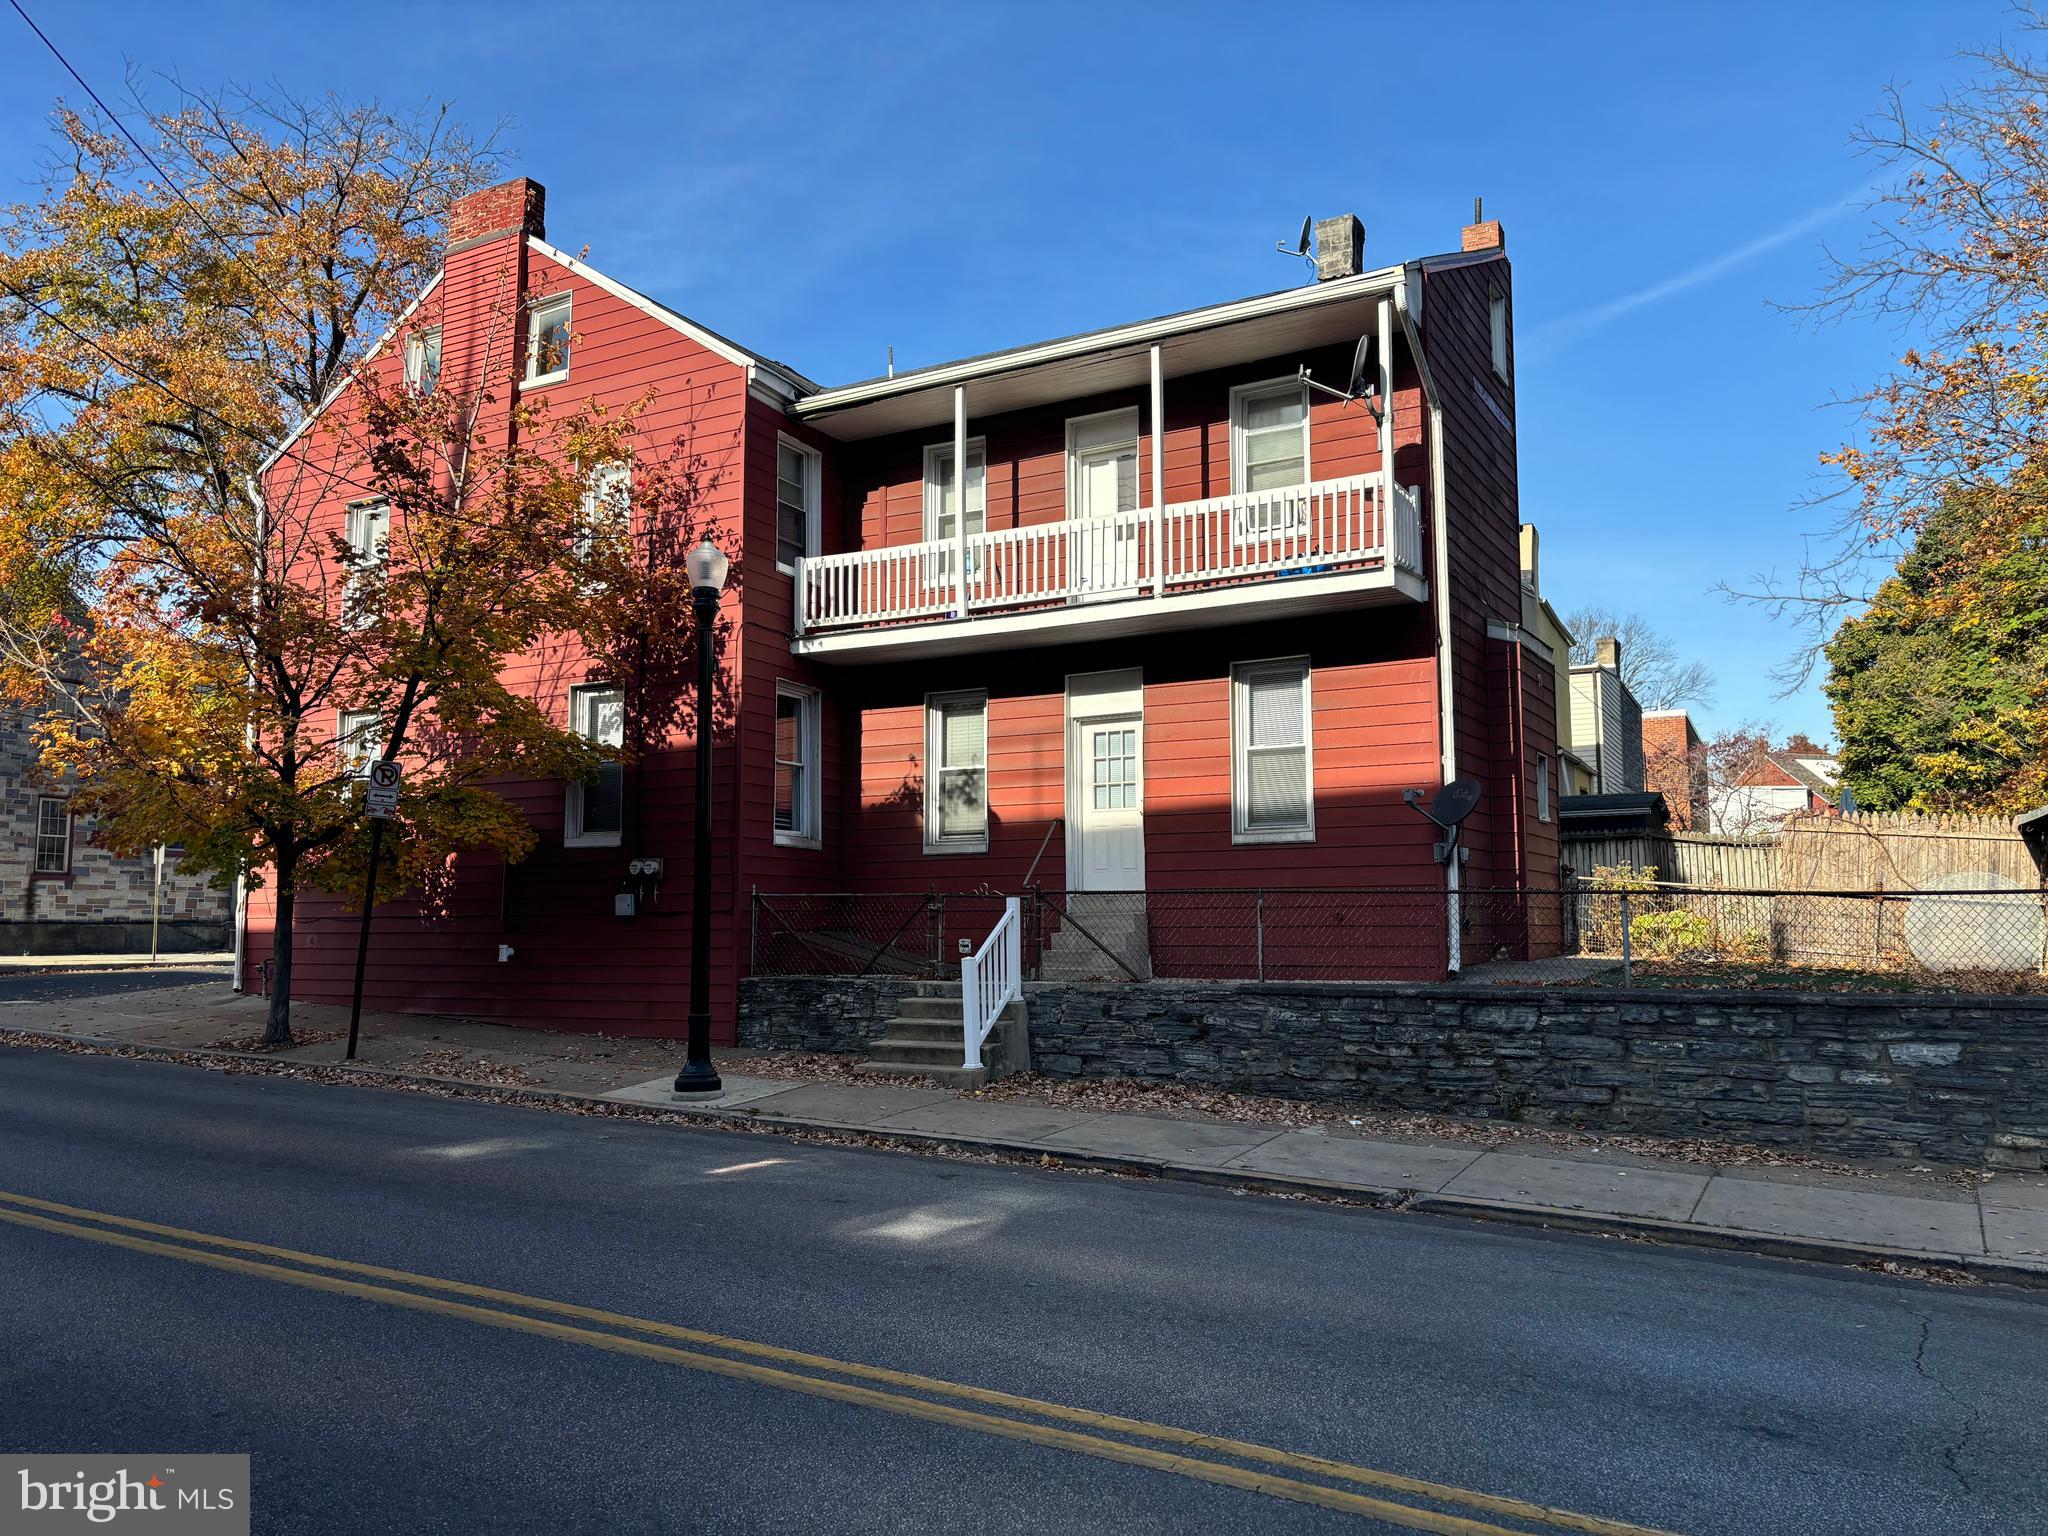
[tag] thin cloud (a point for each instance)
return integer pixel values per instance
(1554, 334)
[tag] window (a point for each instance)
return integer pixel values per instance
(796, 503)
(939, 492)
(1269, 452)
(607, 505)
(423, 360)
(595, 814)
(359, 739)
(956, 782)
(1500, 334)
(796, 766)
(53, 835)
(1542, 787)
(1271, 777)
(547, 340)
(369, 531)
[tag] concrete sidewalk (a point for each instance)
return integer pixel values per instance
(203, 960)
(1992, 1226)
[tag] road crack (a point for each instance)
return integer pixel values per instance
(1952, 1453)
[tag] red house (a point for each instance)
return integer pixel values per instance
(1221, 587)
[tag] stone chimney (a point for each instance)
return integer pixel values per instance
(515, 207)
(1531, 547)
(1607, 652)
(1340, 247)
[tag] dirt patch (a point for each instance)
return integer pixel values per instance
(1178, 1101)
(300, 1037)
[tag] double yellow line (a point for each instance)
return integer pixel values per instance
(1160, 1447)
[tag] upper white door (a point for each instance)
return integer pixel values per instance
(1107, 755)
(1102, 500)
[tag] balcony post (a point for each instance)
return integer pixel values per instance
(1385, 494)
(960, 498)
(1158, 475)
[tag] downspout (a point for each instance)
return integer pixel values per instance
(1440, 597)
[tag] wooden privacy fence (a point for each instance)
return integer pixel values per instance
(1884, 851)
(1683, 858)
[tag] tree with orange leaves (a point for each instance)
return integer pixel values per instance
(181, 604)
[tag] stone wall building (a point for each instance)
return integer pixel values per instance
(59, 894)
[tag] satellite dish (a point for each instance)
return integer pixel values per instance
(1301, 241)
(1454, 802)
(1365, 375)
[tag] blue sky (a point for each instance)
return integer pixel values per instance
(822, 182)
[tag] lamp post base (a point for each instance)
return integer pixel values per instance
(699, 1079)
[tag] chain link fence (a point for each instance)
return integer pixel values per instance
(1986, 940)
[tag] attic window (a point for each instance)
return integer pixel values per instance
(547, 341)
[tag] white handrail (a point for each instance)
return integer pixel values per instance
(990, 980)
(1292, 530)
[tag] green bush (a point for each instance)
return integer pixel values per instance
(1665, 935)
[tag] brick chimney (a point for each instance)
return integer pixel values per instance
(1483, 234)
(1340, 247)
(1607, 652)
(513, 207)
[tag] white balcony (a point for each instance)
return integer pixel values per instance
(1251, 555)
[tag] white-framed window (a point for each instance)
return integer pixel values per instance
(53, 835)
(423, 360)
(1542, 787)
(1272, 765)
(368, 531)
(956, 776)
(797, 476)
(547, 340)
(359, 739)
(1269, 454)
(596, 811)
(607, 504)
(798, 807)
(1498, 318)
(939, 493)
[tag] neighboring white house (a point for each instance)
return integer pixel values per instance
(1606, 726)
(1778, 785)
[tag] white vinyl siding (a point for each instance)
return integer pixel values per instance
(797, 787)
(547, 340)
(796, 503)
(359, 738)
(53, 835)
(595, 814)
(1272, 770)
(956, 781)
(939, 494)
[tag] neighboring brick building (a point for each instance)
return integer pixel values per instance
(1675, 766)
(1172, 607)
(61, 895)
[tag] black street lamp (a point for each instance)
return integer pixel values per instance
(707, 567)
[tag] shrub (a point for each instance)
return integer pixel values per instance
(1665, 935)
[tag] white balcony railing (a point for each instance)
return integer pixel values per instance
(1313, 530)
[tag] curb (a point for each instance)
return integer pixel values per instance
(1590, 1223)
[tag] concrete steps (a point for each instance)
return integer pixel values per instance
(1106, 939)
(925, 1040)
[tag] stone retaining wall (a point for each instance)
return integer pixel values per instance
(1938, 1078)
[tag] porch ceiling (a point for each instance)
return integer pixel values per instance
(1096, 362)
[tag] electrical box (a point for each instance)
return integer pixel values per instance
(625, 904)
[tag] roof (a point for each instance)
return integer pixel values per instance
(1612, 813)
(1805, 776)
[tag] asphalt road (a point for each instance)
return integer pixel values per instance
(55, 986)
(1677, 1389)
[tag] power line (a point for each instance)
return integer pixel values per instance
(169, 181)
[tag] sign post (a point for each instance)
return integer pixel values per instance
(380, 803)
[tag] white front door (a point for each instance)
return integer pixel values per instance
(1108, 760)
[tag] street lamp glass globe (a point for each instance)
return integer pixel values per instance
(707, 565)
